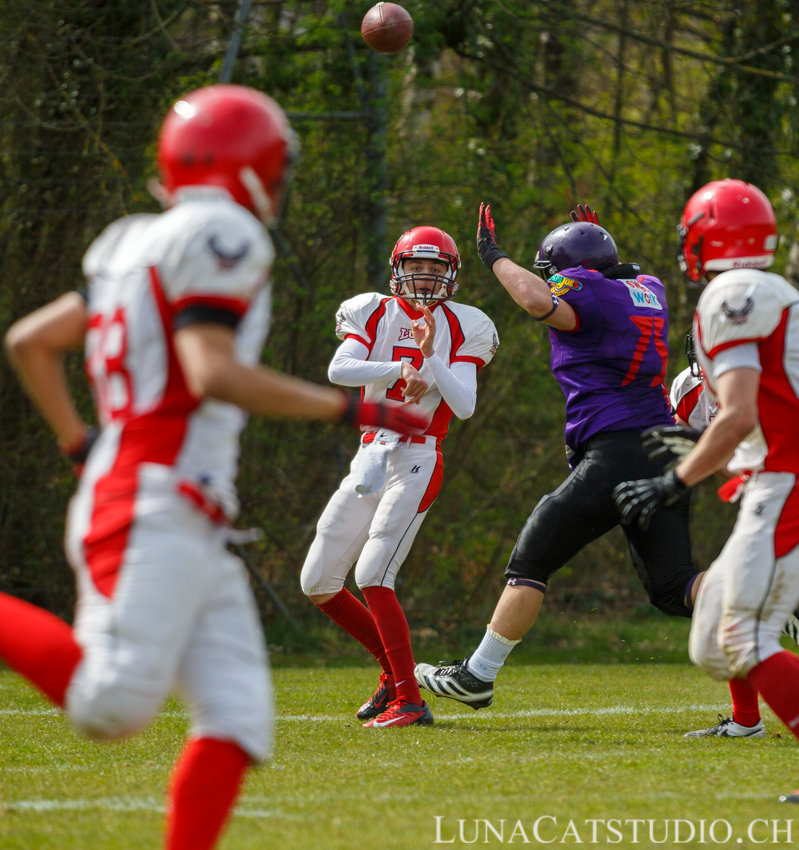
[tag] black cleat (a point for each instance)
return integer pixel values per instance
(790, 798)
(455, 682)
(378, 702)
(402, 713)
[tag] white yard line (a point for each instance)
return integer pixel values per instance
(121, 804)
(472, 715)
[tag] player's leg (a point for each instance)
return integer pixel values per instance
(563, 523)
(705, 651)
(39, 646)
(341, 533)
(415, 475)
(224, 679)
(133, 634)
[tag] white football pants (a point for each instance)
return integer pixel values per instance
(378, 530)
(181, 616)
(748, 594)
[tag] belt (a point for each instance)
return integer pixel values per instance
(422, 439)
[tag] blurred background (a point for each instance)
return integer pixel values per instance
(531, 106)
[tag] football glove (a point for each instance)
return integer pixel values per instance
(487, 246)
(79, 452)
(671, 443)
(584, 213)
(642, 498)
(375, 414)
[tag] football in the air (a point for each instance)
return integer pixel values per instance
(387, 28)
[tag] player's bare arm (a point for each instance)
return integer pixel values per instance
(737, 393)
(527, 289)
(208, 358)
(35, 346)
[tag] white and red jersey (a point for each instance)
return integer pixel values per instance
(206, 259)
(382, 323)
(690, 402)
(750, 318)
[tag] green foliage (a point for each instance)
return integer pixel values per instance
(529, 106)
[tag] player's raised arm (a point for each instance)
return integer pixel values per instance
(527, 289)
(35, 346)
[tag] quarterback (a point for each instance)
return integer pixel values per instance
(608, 330)
(172, 323)
(416, 346)
(748, 350)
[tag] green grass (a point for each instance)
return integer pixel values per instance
(575, 741)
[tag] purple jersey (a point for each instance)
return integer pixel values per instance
(612, 367)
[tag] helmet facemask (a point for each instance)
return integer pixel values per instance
(424, 287)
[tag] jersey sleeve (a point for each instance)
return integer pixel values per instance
(580, 296)
(215, 266)
(474, 337)
(686, 390)
(358, 318)
(740, 307)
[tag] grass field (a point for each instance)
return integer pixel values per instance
(571, 742)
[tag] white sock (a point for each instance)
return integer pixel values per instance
(489, 657)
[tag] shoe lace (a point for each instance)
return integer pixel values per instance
(724, 721)
(449, 668)
(394, 708)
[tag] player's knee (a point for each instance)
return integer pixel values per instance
(745, 645)
(671, 601)
(376, 567)
(705, 652)
(316, 583)
(108, 713)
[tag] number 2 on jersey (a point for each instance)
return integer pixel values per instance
(407, 355)
(648, 326)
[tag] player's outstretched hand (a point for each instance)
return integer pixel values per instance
(671, 443)
(375, 414)
(642, 498)
(487, 246)
(584, 213)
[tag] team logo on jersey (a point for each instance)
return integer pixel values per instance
(740, 316)
(642, 295)
(227, 259)
(405, 333)
(560, 285)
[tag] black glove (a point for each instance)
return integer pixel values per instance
(487, 246)
(642, 498)
(671, 443)
(379, 415)
(584, 213)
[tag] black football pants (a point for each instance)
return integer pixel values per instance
(582, 509)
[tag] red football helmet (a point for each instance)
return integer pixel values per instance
(425, 243)
(727, 224)
(233, 137)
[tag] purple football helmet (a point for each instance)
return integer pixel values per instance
(574, 244)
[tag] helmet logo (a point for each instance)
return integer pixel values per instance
(426, 249)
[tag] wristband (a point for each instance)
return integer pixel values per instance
(78, 452)
(555, 304)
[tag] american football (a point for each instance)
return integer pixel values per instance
(399, 424)
(387, 28)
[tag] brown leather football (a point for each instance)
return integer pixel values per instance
(387, 28)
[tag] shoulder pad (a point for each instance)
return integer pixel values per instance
(739, 306)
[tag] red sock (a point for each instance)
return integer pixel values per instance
(745, 709)
(357, 621)
(39, 646)
(204, 787)
(777, 679)
(393, 627)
